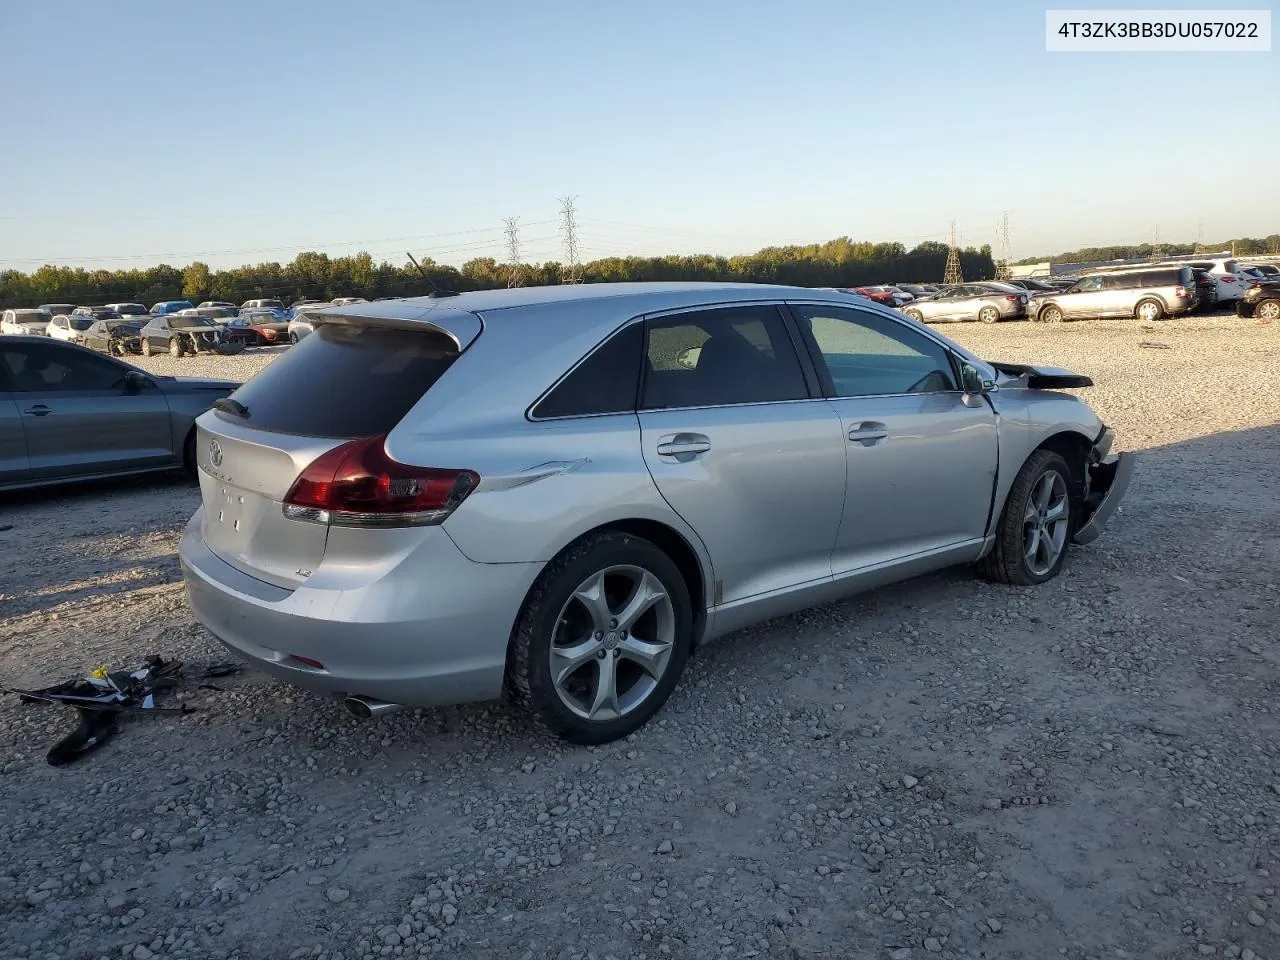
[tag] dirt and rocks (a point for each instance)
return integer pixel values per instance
(945, 768)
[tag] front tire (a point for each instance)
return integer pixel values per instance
(293, 337)
(1035, 527)
(1050, 314)
(146, 348)
(915, 315)
(601, 639)
(1267, 310)
(175, 348)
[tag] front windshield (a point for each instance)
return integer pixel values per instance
(178, 321)
(123, 326)
(131, 309)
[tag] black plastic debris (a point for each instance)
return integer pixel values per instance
(100, 699)
(1155, 345)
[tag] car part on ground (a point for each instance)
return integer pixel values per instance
(581, 515)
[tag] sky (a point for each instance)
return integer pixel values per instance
(239, 132)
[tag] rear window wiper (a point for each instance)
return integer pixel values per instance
(233, 407)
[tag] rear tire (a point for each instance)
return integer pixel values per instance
(293, 337)
(915, 315)
(989, 315)
(1149, 310)
(556, 620)
(1021, 554)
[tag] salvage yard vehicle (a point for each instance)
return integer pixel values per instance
(57, 309)
(260, 327)
(180, 334)
(524, 491)
(68, 327)
(128, 309)
(68, 414)
(1146, 293)
(970, 301)
(1261, 300)
(27, 322)
(117, 337)
(166, 307)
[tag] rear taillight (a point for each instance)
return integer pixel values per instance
(1013, 297)
(1228, 278)
(358, 485)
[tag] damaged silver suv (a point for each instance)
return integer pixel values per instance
(555, 494)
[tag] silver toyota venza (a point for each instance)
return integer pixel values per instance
(555, 494)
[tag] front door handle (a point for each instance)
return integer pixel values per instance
(39, 410)
(869, 432)
(685, 445)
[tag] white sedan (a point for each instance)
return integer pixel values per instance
(69, 328)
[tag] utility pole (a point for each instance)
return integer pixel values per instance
(513, 251)
(572, 272)
(1157, 249)
(1003, 271)
(952, 273)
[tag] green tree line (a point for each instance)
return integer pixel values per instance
(1244, 247)
(838, 263)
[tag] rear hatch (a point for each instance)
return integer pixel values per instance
(345, 381)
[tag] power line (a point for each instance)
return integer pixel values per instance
(569, 231)
(513, 251)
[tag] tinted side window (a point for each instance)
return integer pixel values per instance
(868, 355)
(717, 357)
(605, 382)
(1117, 281)
(382, 374)
(36, 368)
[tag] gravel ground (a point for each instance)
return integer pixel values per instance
(944, 768)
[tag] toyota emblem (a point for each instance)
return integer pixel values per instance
(215, 453)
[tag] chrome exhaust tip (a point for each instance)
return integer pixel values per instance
(366, 708)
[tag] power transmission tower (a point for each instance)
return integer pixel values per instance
(1157, 248)
(513, 251)
(1200, 237)
(952, 272)
(1003, 271)
(572, 272)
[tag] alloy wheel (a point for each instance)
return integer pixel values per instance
(1045, 523)
(613, 642)
(1269, 310)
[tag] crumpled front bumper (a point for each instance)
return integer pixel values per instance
(1108, 479)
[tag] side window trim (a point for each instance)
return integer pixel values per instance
(785, 320)
(828, 385)
(530, 413)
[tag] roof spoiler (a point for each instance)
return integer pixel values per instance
(460, 326)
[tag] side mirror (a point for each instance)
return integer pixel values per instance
(972, 385)
(135, 381)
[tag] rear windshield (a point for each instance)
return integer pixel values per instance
(383, 373)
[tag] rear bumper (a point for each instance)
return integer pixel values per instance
(430, 631)
(1109, 476)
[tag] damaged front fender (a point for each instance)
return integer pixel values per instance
(1107, 479)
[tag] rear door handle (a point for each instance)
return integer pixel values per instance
(684, 445)
(39, 410)
(869, 432)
